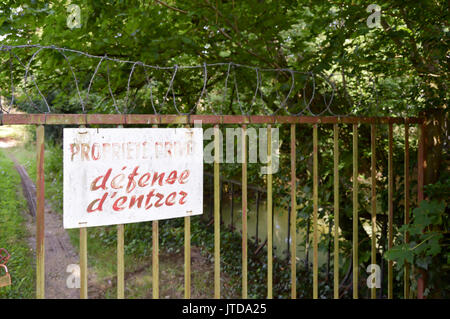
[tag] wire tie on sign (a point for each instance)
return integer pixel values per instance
(86, 119)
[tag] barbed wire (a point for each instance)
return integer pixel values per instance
(283, 103)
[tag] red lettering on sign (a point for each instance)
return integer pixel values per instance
(131, 183)
(159, 202)
(100, 201)
(117, 206)
(170, 199)
(74, 149)
(156, 176)
(172, 178)
(95, 151)
(183, 196)
(184, 176)
(105, 177)
(143, 181)
(149, 197)
(85, 151)
(139, 201)
(168, 148)
(116, 184)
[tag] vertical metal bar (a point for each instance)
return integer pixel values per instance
(120, 262)
(40, 211)
(315, 213)
(155, 259)
(232, 206)
(406, 220)
(83, 263)
(155, 254)
(244, 212)
(308, 228)
(355, 211)
(273, 219)
(216, 212)
(330, 225)
(293, 216)
(288, 238)
(336, 209)
(420, 183)
(211, 199)
(187, 255)
(420, 169)
(258, 197)
(374, 202)
(221, 201)
(120, 258)
(390, 212)
(269, 214)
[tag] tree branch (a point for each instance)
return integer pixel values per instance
(170, 7)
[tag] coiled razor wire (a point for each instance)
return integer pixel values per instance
(258, 96)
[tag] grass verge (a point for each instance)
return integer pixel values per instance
(13, 233)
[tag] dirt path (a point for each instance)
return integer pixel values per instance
(59, 252)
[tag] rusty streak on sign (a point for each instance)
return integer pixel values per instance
(128, 175)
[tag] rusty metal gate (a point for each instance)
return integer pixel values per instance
(375, 123)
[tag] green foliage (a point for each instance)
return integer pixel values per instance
(397, 68)
(53, 167)
(424, 237)
(13, 233)
(428, 245)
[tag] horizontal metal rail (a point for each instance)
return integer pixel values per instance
(117, 119)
